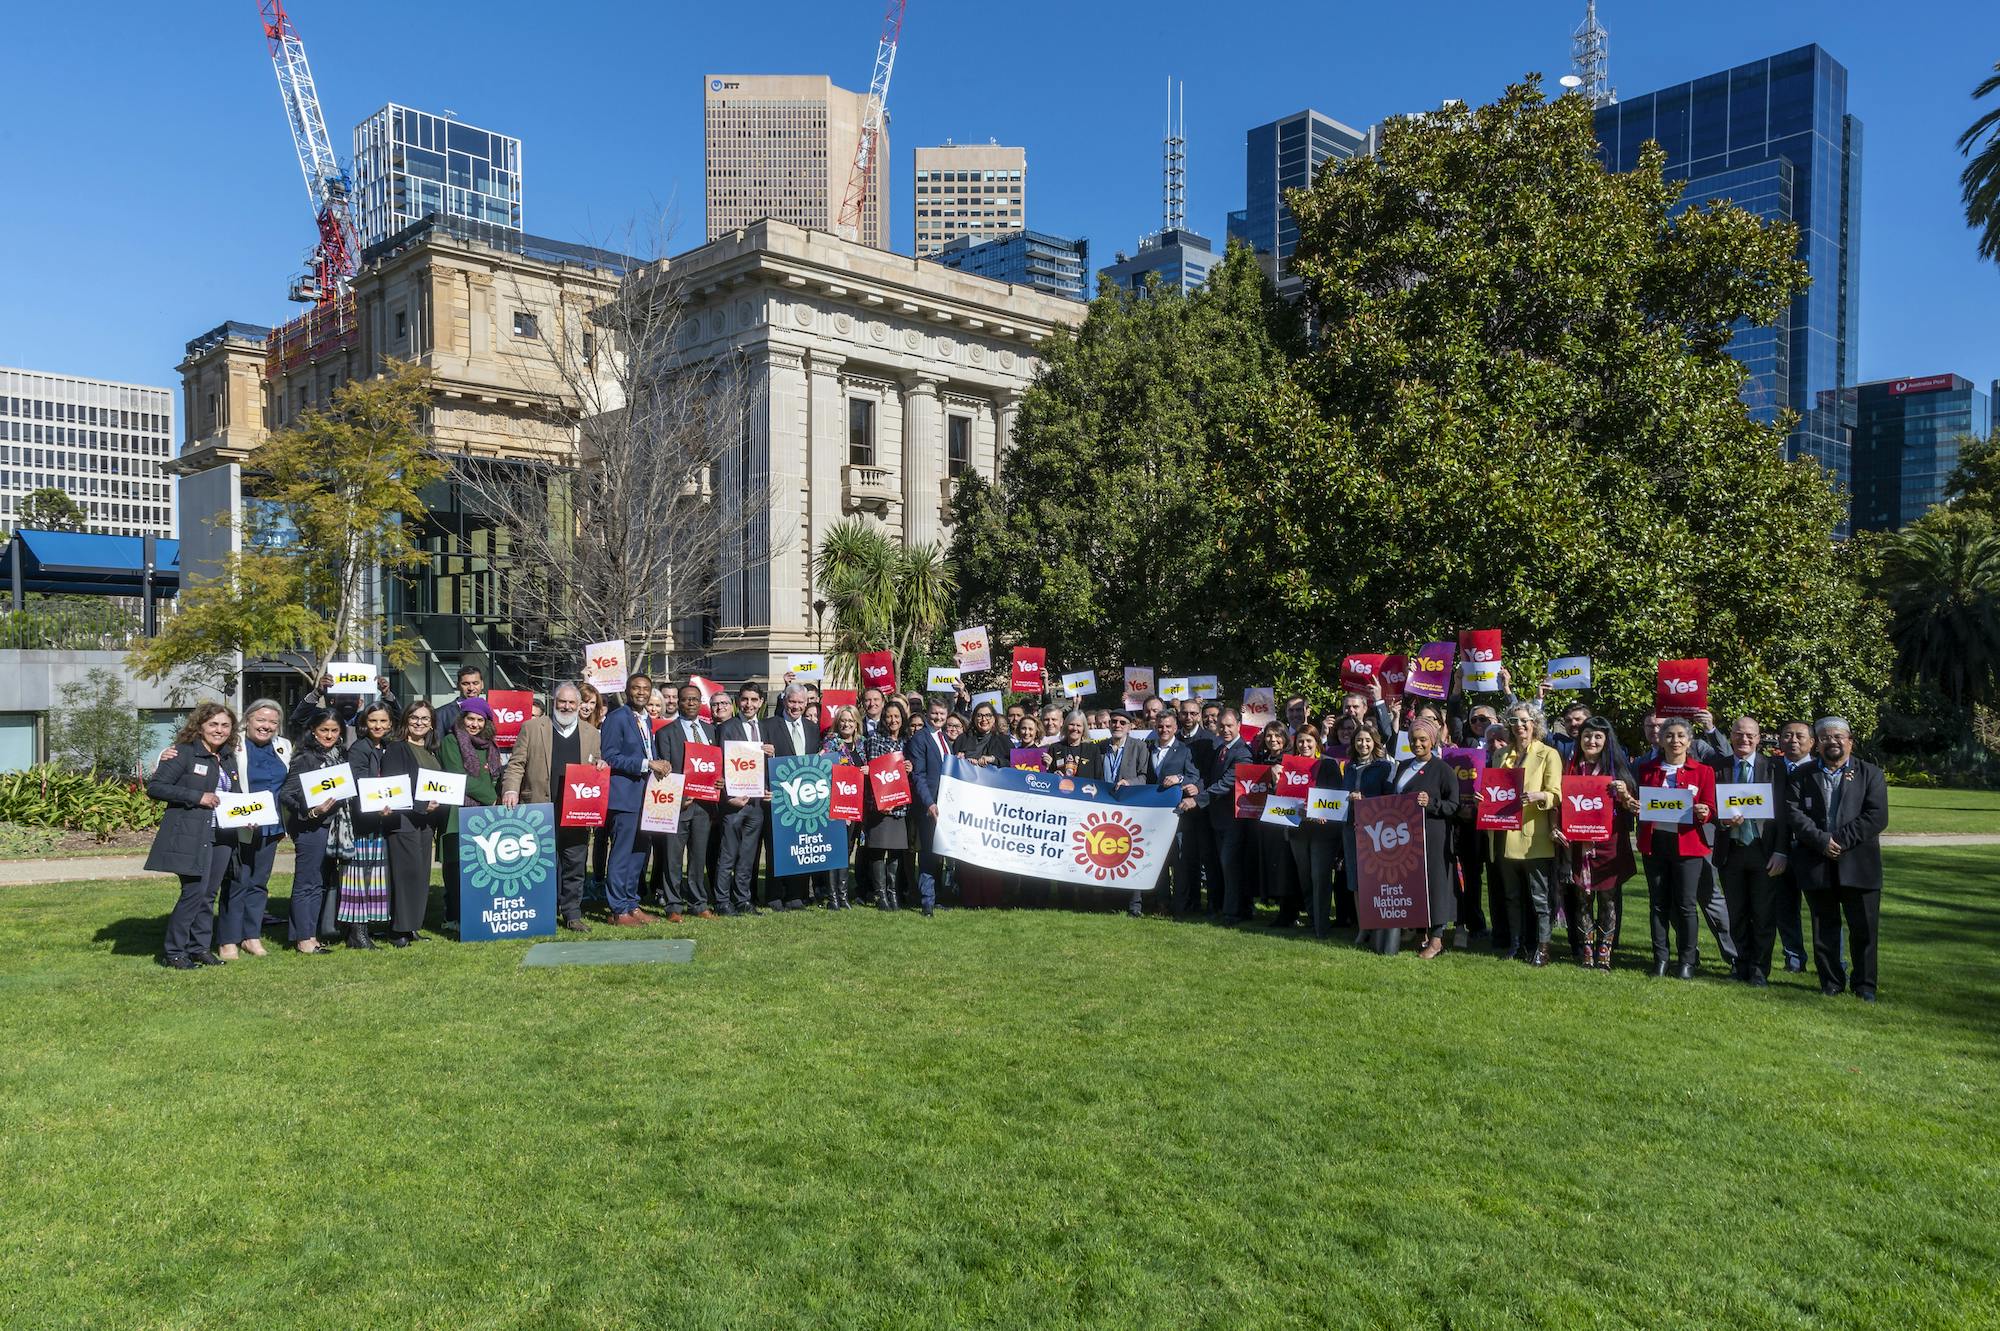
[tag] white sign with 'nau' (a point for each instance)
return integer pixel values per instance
(441, 787)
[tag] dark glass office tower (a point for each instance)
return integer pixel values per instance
(1906, 439)
(1775, 138)
(1285, 155)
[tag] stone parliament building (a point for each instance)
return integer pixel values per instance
(875, 380)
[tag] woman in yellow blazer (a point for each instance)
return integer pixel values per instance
(1527, 857)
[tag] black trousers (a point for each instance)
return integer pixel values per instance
(572, 864)
(1191, 862)
(1862, 913)
(1751, 896)
(315, 877)
(1527, 884)
(1315, 856)
(736, 867)
(1277, 871)
(1471, 874)
(1224, 866)
(1673, 883)
(191, 925)
(690, 853)
(1715, 908)
(411, 853)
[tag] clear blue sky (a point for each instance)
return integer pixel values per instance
(152, 192)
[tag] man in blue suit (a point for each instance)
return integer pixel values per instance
(1170, 762)
(927, 751)
(628, 751)
(1225, 833)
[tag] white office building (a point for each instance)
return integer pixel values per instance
(101, 443)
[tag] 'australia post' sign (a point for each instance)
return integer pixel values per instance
(507, 873)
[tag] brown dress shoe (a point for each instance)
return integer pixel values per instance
(706, 915)
(673, 917)
(629, 920)
(641, 917)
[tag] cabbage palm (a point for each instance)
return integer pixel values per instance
(883, 597)
(1981, 178)
(1942, 584)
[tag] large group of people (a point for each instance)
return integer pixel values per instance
(1746, 878)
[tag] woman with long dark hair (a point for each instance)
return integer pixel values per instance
(191, 784)
(1593, 873)
(412, 833)
(1315, 846)
(364, 883)
(317, 830)
(885, 849)
(1277, 875)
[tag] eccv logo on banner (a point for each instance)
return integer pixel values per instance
(507, 873)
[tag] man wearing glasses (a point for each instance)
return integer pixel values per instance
(534, 773)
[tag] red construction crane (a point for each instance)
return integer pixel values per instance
(865, 153)
(337, 256)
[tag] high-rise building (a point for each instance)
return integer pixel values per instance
(1182, 259)
(101, 443)
(1026, 258)
(1906, 439)
(969, 190)
(1285, 155)
(409, 164)
(1775, 138)
(782, 146)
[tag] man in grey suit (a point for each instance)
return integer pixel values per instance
(1121, 760)
(1750, 853)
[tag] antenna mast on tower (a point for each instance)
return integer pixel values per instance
(1174, 187)
(1589, 53)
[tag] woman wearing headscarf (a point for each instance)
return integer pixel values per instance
(469, 748)
(412, 835)
(1527, 856)
(364, 883)
(191, 784)
(1435, 784)
(1595, 871)
(1367, 774)
(317, 830)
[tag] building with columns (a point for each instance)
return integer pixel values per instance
(877, 379)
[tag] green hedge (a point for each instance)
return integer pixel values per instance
(49, 796)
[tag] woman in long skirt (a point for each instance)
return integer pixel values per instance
(364, 883)
(412, 840)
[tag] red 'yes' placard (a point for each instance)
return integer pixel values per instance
(1253, 788)
(703, 770)
(1499, 800)
(510, 713)
(878, 670)
(847, 782)
(586, 793)
(1029, 663)
(889, 781)
(1681, 688)
(1586, 808)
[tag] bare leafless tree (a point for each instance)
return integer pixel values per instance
(632, 529)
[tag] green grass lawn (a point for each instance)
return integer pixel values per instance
(1916, 810)
(1001, 1119)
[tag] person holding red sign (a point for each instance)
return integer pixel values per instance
(885, 837)
(1435, 784)
(546, 748)
(1527, 856)
(691, 849)
(1593, 873)
(1675, 856)
(843, 744)
(1315, 846)
(1277, 876)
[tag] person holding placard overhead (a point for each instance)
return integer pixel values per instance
(1527, 856)
(261, 759)
(412, 833)
(191, 784)
(346, 707)
(1676, 852)
(1751, 852)
(318, 830)
(546, 746)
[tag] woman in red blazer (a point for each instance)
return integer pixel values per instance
(1674, 854)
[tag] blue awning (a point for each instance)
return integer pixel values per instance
(89, 563)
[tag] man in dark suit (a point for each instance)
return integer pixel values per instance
(792, 735)
(1839, 808)
(691, 849)
(1794, 751)
(1750, 853)
(927, 750)
(1225, 834)
(1170, 761)
(627, 738)
(742, 815)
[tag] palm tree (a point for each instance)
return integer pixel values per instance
(1942, 585)
(1981, 178)
(883, 597)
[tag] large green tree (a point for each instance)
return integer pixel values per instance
(338, 495)
(51, 509)
(1519, 412)
(1104, 540)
